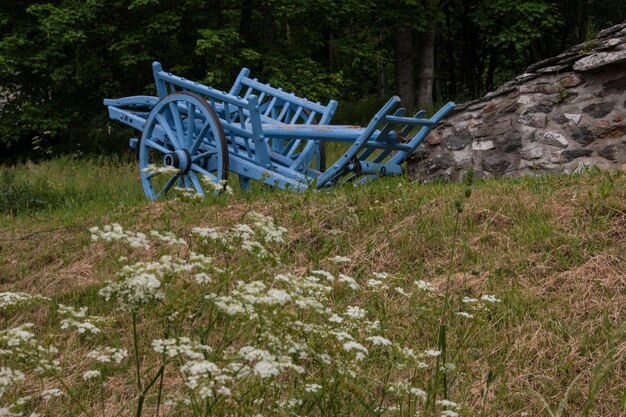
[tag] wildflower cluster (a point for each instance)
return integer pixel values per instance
(115, 232)
(14, 299)
(245, 337)
(187, 194)
(78, 319)
(218, 188)
(153, 169)
(254, 239)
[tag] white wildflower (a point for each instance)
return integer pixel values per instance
(380, 275)
(349, 281)
(340, 259)
(168, 237)
(157, 170)
(50, 393)
(401, 291)
(449, 413)
(277, 296)
(81, 326)
(11, 299)
(469, 300)
(355, 312)
(425, 286)
(17, 336)
(91, 375)
(9, 377)
(312, 388)
(374, 283)
(187, 194)
(265, 225)
(379, 341)
(419, 393)
(202, 278)
(209, 233)
(447, 404)
(489, 298)
(108, 355)
(7, 412)
(465, 314)
(115, 232)
(133, 291)
(266, 369)
(335, 318)
(352, 345)
(181, 346)
(325, 274)
(432, 353)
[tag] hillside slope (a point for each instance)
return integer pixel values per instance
(543, 258)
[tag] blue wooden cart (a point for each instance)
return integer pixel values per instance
(193, 135)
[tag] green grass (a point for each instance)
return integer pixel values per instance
(552, 249)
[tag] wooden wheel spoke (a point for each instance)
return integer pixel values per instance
(203, 155)
(168, 131)
(200, 137)
(154, 145)
(199, 169)
(196, 182)
(178, 122)
(168, 185)
(191, 124)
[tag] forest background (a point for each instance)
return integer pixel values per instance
(59, 59)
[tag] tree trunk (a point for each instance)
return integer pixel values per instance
(493, 61)
(268, 32)
(381, 68)
(405, 82)
(426, 69)
(245, 22)
(450, 58)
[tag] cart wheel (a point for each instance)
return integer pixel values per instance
(183, 148)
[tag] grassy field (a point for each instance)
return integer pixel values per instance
(498, 298)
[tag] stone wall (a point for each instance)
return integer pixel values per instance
(563, 114)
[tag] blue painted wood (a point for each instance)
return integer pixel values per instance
(261, 133)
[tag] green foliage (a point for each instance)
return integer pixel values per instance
(17, 195)
(59, 59)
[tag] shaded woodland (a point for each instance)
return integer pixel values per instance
(59, 59)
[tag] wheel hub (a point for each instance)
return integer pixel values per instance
(180, 159)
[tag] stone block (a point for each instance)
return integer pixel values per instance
(599, 110)
(533, 88)
(543, 107)
(495, 163)
(531, 153)
(538, 120)
(571, 80)
(607, 129)
(570, 119)
(583, 135)
(439, 162)
(457, 142)
(599, 60)
(571, 154)
(552, 69)
(609, 152)
(554, 139)
(615, 86)
(433, 138)
(482, 145)
(511, 142)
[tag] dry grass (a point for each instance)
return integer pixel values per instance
(553, 249)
